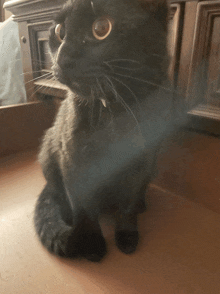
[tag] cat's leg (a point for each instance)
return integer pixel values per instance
(54, 222)
(90, 241)
(87, 235)
(141, 204)
(126, 232)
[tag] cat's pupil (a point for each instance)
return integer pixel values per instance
(102, 28)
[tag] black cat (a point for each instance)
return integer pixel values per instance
(100, 154)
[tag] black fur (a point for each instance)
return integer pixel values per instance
(95, 158)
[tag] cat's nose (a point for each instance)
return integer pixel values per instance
(65, 57)
(65, 61)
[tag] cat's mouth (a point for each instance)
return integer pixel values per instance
(81, 84)
(82, 88)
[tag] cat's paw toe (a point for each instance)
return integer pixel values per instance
(94, 257)
(66, 247)
(127, 241)
(92, 247)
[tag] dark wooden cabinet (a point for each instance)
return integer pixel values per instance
(193, 43)
(174, 38)
(199, 63)
(206, 53)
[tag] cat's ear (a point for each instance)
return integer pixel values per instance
(159, 9)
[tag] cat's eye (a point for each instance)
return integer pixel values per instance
(60, 32)
(101, 28)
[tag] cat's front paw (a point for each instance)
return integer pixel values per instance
(127, 241)
(92, 246)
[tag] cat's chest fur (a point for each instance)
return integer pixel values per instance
(83, 131)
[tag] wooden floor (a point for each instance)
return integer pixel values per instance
(179, 251)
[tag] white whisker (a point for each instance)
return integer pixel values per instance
(40, 77)
(129, 90)
(28, 72)
(100, 87)
(129, 109)
(112, 86)
(121, 67)
(126, 106)
(40, 87)
(36, 91)
(118, 60)
(92, 108)
(145, 81)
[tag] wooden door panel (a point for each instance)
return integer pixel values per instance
(204, 71)
(173, 41)
(213, 84)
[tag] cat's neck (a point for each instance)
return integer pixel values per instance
(92, 114)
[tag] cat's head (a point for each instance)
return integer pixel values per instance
(104, 47)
